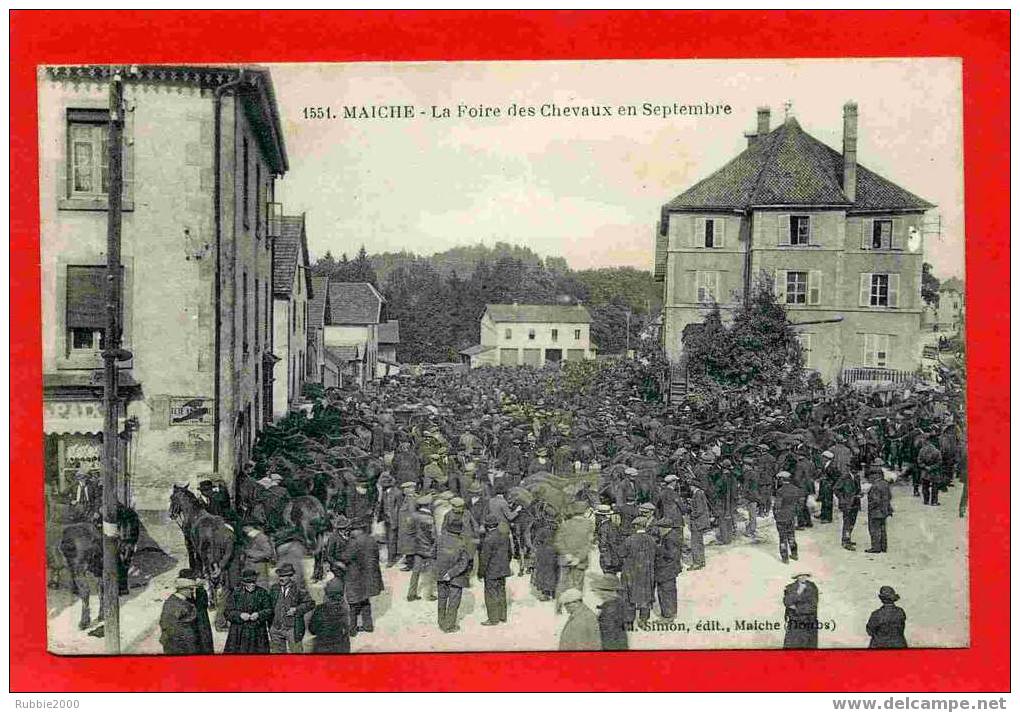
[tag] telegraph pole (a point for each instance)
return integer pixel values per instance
(111, 354)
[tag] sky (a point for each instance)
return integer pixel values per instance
(588, 188)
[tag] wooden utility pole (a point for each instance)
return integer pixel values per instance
(111, 354)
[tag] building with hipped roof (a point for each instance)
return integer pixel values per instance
(843, 245)
(531, 335)
(202, 149)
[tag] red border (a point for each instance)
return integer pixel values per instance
(981, 38)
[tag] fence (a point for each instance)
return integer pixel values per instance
(875, 375)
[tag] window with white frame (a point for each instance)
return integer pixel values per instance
(800, 229)
(796, 287)
(881, 234)
(880, 290)
(712, 232)
(876, 350)
(88, 153)
(707, 286)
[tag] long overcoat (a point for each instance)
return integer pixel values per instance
(638, 576)
(248, 636)
(886, 627)
(178, 627)
(363, 576)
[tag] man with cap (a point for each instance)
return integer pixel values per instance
(879, 509)
(800, 600)
(766, 471)
(668, 503)
(424, 549)
(493, 570)
(607, 534)
(391, 498)
(330, 622)
(788, 502)
(667, 566)
(470, 534)
(637, 553)
(752, 489)
(362, 576)
(804, 478)
(215, 499)
(178, 622)
(360, 503)
(887, 624)
(848, 494)
(612, 613)
(726, 501)
(700, 522)
(433, 477)
(290, 603)
(201, 600)
(453, 566)
(581, 631)
(929, 462)
(475, 502)
(249, 610)
(826, 485)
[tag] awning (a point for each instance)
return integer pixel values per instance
(75, 418)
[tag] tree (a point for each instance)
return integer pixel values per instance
(759, 349)
(929, 286)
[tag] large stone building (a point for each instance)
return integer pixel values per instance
(532, 335)
(843, 245)
(202, 148)
(292, 290)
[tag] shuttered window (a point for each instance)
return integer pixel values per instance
(805, 347)
(796, 287)
(880, 290)
(86, 297)
(876, 350)
(707, 287)
(800, 230)
(711, 233)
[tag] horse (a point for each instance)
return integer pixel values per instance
(211, 543)
(82, 547)
(308, 516)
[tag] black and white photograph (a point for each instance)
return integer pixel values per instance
(503, 356)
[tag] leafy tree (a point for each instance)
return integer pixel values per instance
(929, 286)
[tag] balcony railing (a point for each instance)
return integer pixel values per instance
(877, 375)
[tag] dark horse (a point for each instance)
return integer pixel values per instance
(82, 547)
(308, 516)
(212, 545)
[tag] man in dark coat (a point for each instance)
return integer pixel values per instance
(929, 461)
(390, 500)
(201, 599)
(405, 525)
(667, 567)
(700, 522)
(800, 599)
(249, 610)
(290, 603)
(363, 578)
(178, 621)
(804, 478)
(879, 509)
(638, 576)
(607, 535)
(424, 549)
(788, 502)
(826, 484)
(493, 570)
(887, 624)
(612, 613)
(330, 622)
(452, 567)
(848, 492)
(406, 465)
(581, 631)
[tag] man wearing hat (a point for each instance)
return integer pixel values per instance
(879, 509)
(668, 503)
(826, 485)
(788, 502)
(612, 613)
(433, 477)
(362, 576)
(201, 600)
(929, 462)
(573, 542)
(493, 570)
(215, 499)
(800, 600)
(607, 534)
(581, 631)
(330, 622)
(848, 493)
(452, 567)
(405, 524)
(85, 494)
(424, 549)
(887, 623)
(249, 610)
(637, 552)
(700, 522)
(667, 566)
(290, 602)
(470, 530)
(391, 498)
(360, 502)
(178, 622)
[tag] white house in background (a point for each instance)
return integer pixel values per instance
(532, 335)
(351, 332)
(949, 314)
(292, 288)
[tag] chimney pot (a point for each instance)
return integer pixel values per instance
(764, 118)
(850, 150)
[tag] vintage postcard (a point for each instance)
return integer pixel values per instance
(503, 356)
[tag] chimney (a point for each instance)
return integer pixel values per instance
(762, 129)
(850, 150)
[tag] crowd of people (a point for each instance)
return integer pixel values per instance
(582, 487)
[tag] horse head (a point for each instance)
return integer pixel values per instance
(182, 504)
